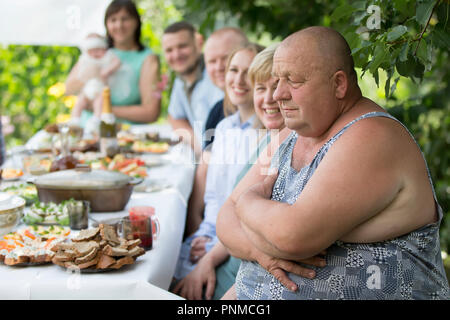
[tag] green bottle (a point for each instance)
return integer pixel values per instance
(108, 134)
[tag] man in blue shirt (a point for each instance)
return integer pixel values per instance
(193, 94)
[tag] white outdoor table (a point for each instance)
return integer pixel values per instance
(150, 276)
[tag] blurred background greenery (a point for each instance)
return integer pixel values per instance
(400, 49)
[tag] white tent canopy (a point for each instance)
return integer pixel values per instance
(50, 22)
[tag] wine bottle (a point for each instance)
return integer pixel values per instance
(108, 134)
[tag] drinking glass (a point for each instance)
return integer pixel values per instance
(140, 227)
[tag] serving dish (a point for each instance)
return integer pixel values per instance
(97, 249)
(150, 147)
(10, 211)
(107, 191)
(24, 190)
(31, 245)
(11, 174)
(48, 214)
(131, 166)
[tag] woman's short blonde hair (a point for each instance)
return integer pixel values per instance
(260, 69)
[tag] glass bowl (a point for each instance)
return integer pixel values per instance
(11, 208)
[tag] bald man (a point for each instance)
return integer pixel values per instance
(351, 180)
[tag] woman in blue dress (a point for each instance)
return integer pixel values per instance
(135, 95)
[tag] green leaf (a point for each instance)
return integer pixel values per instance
(364, 44)
(353, 39)
(387, 87)
(440, 38)
(394, 55)
(405, 68)
(358, 17)
(380, 54)
(394, 86)
(342, 12)
(376, 77)
(423, 53)
(359, 5)
(360, 58)
(396, 33)
(419, 70)
(389, 72)
(404, 53)
(423, 11)
(401, 5)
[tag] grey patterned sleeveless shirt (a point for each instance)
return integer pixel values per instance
(407, 267)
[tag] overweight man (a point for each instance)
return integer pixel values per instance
(350, 179)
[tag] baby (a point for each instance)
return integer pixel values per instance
(95, 65)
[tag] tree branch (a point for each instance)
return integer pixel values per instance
(426, 26)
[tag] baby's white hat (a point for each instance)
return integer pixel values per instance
(93, 41)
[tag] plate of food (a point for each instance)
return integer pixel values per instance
(126, 138)
(25, 190)
(48, 140)
(11, 174)
(37, 164)
(29, 246)
(148, 146)
(86, 145)
(48, 213)
(98, 249)
(156, 137)
(134, 167)
(47, 232)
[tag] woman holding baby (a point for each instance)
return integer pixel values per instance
(121, 62)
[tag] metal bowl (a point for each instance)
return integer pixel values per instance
(106, 191)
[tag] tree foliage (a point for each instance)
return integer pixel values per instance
(27, 73)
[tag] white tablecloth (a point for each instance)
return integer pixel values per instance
(150, 276)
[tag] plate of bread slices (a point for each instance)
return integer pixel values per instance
(97, 249)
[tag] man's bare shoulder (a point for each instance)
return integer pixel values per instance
(383, 153)
(380, 143)
(379, 130)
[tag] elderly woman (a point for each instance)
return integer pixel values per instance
(217, 270)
